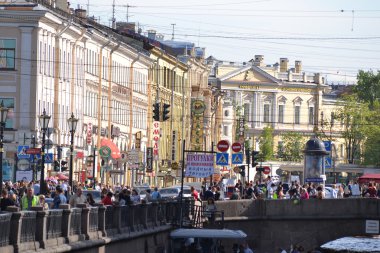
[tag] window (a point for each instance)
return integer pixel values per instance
(332, 119)
(226, 113)
(7, 54)
(10, 104)
(225, 130)
(281, 114)
(311, 115)
(297, 114)
(266, 113)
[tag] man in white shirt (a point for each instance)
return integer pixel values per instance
(355, 190)
(77, 198)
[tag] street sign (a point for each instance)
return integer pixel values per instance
(149, 160)
(49, 158)
(236, 147)
(133, 156)
(223, 146)
(21, 152)
(237, 158)
(266, 170)
(123, 157)
(23, 164)
(222, 159)
(33, 151)
(105, 152)
(328, 162)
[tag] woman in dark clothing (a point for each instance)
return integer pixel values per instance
(90, 199)
(5, 200)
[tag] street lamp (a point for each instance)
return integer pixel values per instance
(44, 123)
(72, 122)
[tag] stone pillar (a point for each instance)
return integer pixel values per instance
(102, 219)
(15, 232)
(85, 219)
(66, 220)
(41, 220)
(254, 110)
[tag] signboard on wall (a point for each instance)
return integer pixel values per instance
(199, 165)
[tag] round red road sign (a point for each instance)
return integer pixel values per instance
(236, 147)
(266, 170)
(223, 146)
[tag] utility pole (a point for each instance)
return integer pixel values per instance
(173, 32)
(113, 15)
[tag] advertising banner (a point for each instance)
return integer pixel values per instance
(199, 165)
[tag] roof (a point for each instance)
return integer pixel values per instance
(208, 233)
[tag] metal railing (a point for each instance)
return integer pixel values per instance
(75, 221)
(93, 219)
(28, 226)
(54, 224)
(5, 224)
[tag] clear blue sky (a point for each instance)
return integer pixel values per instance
(313, 31)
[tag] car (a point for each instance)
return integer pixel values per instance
(173, 192)
(141, 190)
(328, 192)
(96, 195)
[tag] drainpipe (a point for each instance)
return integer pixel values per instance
(173, 106)
(100, 94)
(183, 104)
(110, 88)
(131, 80)
(57, 72)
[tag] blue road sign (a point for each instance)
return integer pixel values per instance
(49, 158)
(21, 152)
(222, 159)
(328, 164)
(237, 158)
(327, 145)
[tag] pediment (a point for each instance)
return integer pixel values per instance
(249, 74)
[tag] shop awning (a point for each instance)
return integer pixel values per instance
(369, 178)
(115, 151)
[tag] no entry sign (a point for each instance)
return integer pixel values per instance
(236, 147)
(223, 146)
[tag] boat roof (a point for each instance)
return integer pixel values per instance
(207, 233)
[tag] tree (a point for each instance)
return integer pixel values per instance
(355, 117)
(266, 143)
(371, 152)
(292, 147)
(368, 87)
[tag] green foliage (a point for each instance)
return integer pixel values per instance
(266, 143)
(356, 117)
(292, 147)
(372, 143)
(368, 87)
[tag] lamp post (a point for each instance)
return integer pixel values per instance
(44, 123)
(72, 122)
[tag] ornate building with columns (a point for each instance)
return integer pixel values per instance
(279, 95)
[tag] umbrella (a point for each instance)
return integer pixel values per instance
(115, 151)
(369, 178)
(62, 177)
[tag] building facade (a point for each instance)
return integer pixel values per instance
(285, 98)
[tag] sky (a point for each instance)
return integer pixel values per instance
(332, 37)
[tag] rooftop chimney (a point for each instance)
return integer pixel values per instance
(152, 34)
(284, 62)
(259, 60)
(298, 65)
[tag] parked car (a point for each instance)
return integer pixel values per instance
(173, 192)
(141, 190)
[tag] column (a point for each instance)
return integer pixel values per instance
(274, 109)
(25, 76)
(254, 109)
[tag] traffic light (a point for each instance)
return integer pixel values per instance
(59, 153)
(242, 170)
(248, 156)
(255, 158)
(56, 166)
(63, 165)
(156, 112)
(165, 114)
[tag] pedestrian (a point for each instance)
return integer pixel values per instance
(244, 248)
(107, 200)
(194, 193)
(156, 195)
(135, 197)
(59, 198)
(29, 199)
(77, 198)
(90, 199)
(210, 210)
(5, 200)
(43, 204)
(148, 197)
